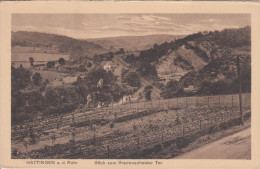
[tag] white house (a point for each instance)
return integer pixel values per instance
(190, 89)
(109, 65)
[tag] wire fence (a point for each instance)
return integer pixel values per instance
(178, 117)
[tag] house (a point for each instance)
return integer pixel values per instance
(190, 89)
(109, 66)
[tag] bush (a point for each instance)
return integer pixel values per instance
(37, 79)
(132, 79)
(50, 64)
(170, 90)
(62, 99)
(147, 70)
(148, 91)
(62, 61)
(20, 78)
(82, 68)
(112, 125)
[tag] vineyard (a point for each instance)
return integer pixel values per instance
(125, 130)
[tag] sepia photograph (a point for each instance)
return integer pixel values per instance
(131, 86)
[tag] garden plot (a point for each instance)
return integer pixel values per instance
(108, 132)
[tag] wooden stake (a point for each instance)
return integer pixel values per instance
(108, 152)
(208, 101)
(183, 130)
(219, 103)
(177, 103)
(240, 96)
(186, 102)
(196, 101)
(138, 143)
(232, 102)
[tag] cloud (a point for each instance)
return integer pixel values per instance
(124, 18)
(91, 26)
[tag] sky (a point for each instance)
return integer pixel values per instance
(86, 26)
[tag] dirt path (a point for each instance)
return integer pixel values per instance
(236, 146)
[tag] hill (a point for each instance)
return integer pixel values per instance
(132, 43)
(200, 59)
(63, 44)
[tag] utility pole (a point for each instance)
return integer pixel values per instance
(240, 96)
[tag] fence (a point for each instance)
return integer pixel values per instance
(178, 117)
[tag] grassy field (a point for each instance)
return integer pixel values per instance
(38, 56)
(118, 130)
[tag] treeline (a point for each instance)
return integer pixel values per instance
(218, 77)
(32, 97)
(226, 38)
(76, 48)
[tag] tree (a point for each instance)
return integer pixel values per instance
(107, 92)
(61, 61)
(148, 91)
(82, 68)
(46, 82)
(133, 79)
(31, 60)
(89, 64)
(121, 50)
(50, 64)
(170, 89)
(20, 77)
(37, 79)
(146, 69)
(62, 99)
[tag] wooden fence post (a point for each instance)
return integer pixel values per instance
(108, 152)
(219, 102)
(196, 101)
(162, 137)
(177, 103)
(136, 105)
(138, 143)
(240, 90)
(94, 139)
(186, 101)
(124, 155)
(183, 130)
(232, 102)
(208, 101)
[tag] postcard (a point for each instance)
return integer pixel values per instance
(129, 84)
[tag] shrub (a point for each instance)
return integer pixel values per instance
(82, 68)
(37, 79)
(62, 61)
(50, 64)
(148, 92)
(112, 125)
(132, 79)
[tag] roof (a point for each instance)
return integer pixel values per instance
(190, 89)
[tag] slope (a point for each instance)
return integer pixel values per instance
(63, 43)
(132, 43)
